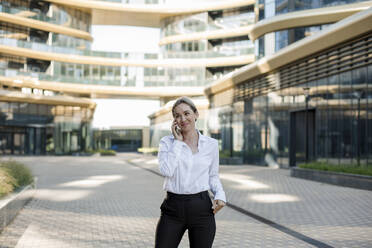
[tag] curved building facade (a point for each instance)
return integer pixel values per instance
(34, 120)
(45, 50)
(267, 68)
(289, 21)
(307, 102)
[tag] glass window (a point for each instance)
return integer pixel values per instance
(33, 108)
(14, 106)
(86, 71)
(102, 74)
(63, 69)
(70, 70)
(95, 72)
(369, 116)
(59, 110)
(79, 71)
(4, 107)
(281, 40)
(43, 109)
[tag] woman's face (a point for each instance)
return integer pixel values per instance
(185, 117)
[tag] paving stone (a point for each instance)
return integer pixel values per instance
(107, 202)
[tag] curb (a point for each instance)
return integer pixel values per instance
(13, 203)
(335, 178)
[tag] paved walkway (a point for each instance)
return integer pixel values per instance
(108, 202)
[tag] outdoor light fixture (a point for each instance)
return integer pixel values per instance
(306, 93)
(358, 94)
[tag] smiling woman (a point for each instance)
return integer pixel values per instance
(189, 161)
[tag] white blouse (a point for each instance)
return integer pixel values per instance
(187, 173)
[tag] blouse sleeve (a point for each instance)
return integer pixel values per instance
(169, 156)
(214, 180)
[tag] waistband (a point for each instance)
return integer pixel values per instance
(200, 195)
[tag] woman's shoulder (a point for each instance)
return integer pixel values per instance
(167, 138)
(210, 140)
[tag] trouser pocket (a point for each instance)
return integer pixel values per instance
(170, 208)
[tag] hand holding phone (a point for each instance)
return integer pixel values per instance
(176, 131)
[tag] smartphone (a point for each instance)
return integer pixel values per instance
(178, 129)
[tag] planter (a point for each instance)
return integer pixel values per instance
(259, 161)
(336, 178)
(13, 203)
(231, 161)
(107, 154)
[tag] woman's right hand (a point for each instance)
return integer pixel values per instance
(177, 135)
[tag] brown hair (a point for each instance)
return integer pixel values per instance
(184, 100)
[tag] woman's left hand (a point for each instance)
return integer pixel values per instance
(217, 205)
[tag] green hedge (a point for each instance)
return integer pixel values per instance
(13, 175)
(344, 168)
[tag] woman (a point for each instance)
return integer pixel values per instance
(189, 161)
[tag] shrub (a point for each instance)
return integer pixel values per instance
(107, 152)
(13, 175)
(90, 151)
(7, 183)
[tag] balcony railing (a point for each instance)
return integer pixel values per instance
(148, 81)
(27, 13)
(220, 52)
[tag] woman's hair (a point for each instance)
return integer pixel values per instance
(184, 100)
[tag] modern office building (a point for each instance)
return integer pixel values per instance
(50, 74)
(125, 139)
(309, 95)
(269, 66)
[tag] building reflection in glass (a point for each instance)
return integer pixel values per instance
(28, 128)
(271, 128)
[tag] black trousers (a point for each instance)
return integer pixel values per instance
(186, 212)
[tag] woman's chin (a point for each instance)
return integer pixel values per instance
(186, 128)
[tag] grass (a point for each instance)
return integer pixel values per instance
(13, 175)
(344, 168)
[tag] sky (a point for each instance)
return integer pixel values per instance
(111, 113)
(124, 112)
(125, 38)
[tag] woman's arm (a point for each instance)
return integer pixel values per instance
(168, 156)
(214, 179)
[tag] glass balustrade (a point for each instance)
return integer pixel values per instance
(220, 52)
(170, 2)
(65, 50)
(156, 80)
(60, 17)
(181, 25)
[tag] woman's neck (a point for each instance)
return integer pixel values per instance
(190, 136)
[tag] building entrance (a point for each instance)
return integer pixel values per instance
(12, 140)
(22, 140)
(302, 136)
